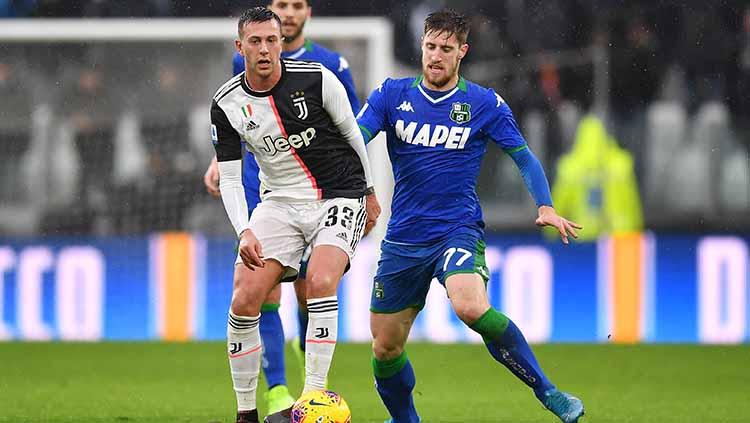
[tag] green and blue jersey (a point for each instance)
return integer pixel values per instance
(436, 141)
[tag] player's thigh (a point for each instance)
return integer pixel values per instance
(340, 223)
(277, 227)
(390, 332)
(274, 297)
(402, 279)
(461, 254)
(468, 296)
(463, 271)
(325, 269)
(251, 287)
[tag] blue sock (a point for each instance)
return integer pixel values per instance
(394, 380)
(507, 345)
(272, 336)
(302, 318)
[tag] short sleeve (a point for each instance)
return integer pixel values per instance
(501, 125)
(372, 116)
(226, 140)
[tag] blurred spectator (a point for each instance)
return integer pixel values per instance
(596, 185)
(17, 212)
(90, 118)
(160, 199)
(635, 63)
(743, 77)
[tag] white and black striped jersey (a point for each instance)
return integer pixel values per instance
(302, 133)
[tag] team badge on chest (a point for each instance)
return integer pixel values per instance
(460, 112)
(298, 100)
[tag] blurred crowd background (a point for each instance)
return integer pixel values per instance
(639, 110)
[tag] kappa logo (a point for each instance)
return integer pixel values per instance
(405, 107)
(342, 236)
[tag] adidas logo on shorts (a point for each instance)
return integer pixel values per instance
(343, 236)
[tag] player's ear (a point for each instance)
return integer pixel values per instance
(463, 50)
(238, 46)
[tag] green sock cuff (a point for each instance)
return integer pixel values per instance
(387, 368)
(269, 307)
(491, 325)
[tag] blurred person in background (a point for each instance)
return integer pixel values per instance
(294, 15)
(89, 119)
(596, 184)
(16, 110)
(637, 68)
(160, 200)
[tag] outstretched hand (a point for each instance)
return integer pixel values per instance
(548, 217)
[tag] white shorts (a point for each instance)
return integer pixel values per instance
(285, 230)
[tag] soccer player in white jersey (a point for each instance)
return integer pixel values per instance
(316, 189)
(293, 15)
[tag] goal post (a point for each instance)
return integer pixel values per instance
(51, 56)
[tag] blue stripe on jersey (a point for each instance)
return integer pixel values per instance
(436, 142)
(312, 53)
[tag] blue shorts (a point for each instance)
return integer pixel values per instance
(406, 271)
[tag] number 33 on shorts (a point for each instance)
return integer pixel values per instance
(463, 260)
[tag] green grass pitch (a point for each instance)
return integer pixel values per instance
(163, 382)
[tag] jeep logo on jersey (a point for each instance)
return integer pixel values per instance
(460, 112)
(296, 141)
(453, 137)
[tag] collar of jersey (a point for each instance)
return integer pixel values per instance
(307, 46)
(460, 86)
(250, 91)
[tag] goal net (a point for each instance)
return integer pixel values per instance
(104, 123)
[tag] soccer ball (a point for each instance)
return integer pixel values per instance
(321, 407)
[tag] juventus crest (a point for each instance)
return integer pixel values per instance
(298, 99)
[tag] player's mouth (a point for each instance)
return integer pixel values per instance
(435, 69)
(264, 63)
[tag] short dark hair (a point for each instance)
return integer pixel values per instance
(256, 14)
(447, 21)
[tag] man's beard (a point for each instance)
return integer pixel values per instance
(290, 38)
(442, 81)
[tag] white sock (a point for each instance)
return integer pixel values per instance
(322, 331)
(244, 348)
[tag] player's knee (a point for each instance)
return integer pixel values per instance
(321, 284)
(244, 303)
(384, 349)
(468, 312)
